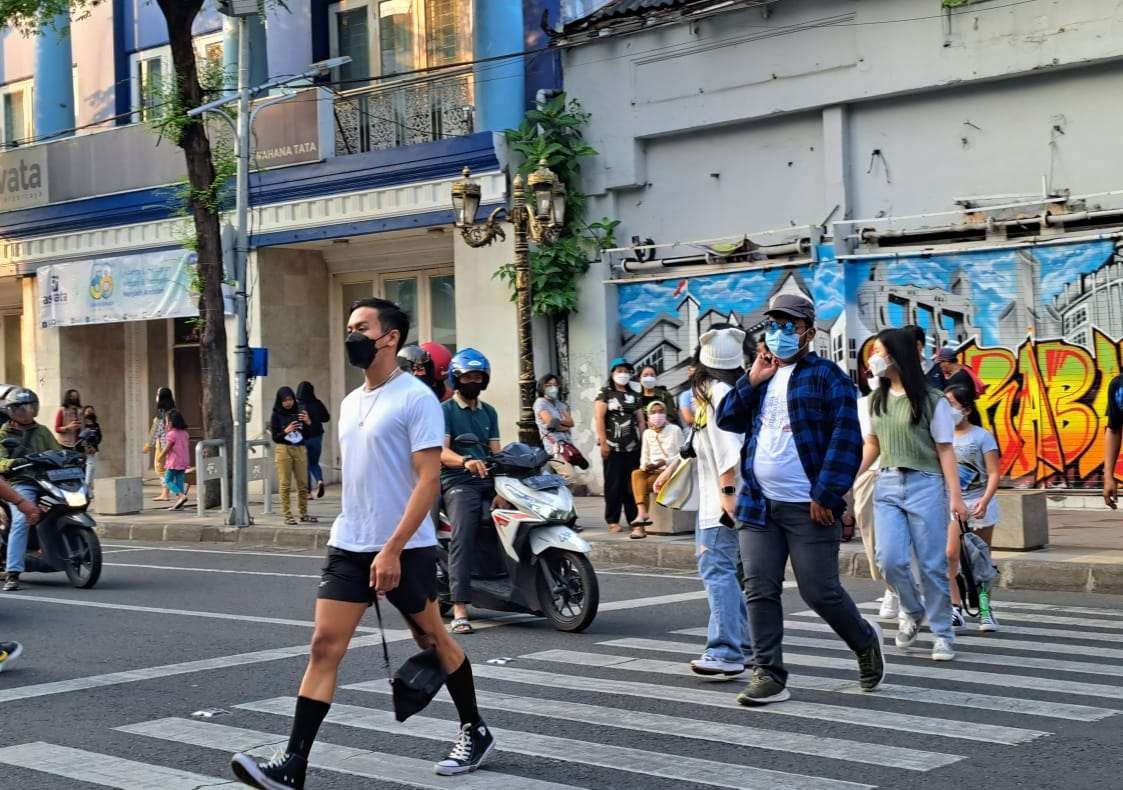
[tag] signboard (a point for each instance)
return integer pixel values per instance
(127, 158)
(23, 178)
(125, 288)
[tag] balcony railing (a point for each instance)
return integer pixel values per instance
(404, 113)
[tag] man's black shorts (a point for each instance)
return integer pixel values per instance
(346, 577)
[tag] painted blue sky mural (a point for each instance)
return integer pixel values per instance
(1064, 263)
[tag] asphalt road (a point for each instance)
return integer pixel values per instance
(214, 630)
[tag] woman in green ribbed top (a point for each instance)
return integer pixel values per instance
(912, 430)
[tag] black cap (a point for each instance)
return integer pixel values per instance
(792, 305)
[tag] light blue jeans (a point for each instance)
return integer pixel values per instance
(911, 517)
(718, 551)
(17, 532)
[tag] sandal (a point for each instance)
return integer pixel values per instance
(460, 625)
(290, 521)
(309, 520)
(615, 528)
(638, 533)
(642, 522)
(320, 490)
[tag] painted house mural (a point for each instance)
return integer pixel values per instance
(1041, 325)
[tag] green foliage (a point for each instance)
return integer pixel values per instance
(31, 16)
(955, 3)
(552, 132)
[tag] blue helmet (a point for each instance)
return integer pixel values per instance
(468, 360)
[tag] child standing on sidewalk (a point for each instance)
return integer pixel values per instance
(177, 457)
(976, 453)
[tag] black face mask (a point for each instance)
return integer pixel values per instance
(470, 391)
(361, 350)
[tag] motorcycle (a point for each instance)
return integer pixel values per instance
(64, 538)
(527, 557)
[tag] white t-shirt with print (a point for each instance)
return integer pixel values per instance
(378, 433)
(776, 464)
(718, 451)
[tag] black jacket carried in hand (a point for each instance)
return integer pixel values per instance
(283, 417)
(317, 412)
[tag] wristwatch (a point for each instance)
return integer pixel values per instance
(729, 490)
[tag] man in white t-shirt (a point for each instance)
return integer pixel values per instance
(391, 431)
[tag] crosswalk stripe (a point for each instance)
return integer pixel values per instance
(1049, 619)
(986, 659)
(909, 670)
(1057, 608)
(962, 638)
(1017, 630)
(916, 694)
(864, 717)
(655, 600)
(384, 767)
(638, 761)
(103, 769)
(753, 737)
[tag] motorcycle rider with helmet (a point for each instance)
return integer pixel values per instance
(417, 361)
(22, 406)
(465, 485)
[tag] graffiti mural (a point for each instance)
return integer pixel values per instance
(1042, 326)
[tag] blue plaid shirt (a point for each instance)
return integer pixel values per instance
(823, 411)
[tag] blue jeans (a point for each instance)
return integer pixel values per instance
(911, 514)
(17, 532)
(315, 446)
(728, 636)
(175, 480)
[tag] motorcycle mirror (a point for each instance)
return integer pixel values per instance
(467, 438)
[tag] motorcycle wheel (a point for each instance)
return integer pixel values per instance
(85, 568)
(567, 589)
(444, 595)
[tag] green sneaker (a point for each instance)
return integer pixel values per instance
(871, 661)
(763, 689)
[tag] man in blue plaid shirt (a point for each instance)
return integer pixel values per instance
(803, 447)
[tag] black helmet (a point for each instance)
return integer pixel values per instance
(414, 355)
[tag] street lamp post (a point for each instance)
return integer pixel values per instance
(239, 515)
(541, 223)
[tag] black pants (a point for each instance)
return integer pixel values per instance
(467, 503)
(789, 531)
(618, 468)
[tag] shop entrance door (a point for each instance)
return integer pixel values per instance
(188, 377)
(429, 297)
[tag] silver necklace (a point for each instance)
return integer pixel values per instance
(381, 388)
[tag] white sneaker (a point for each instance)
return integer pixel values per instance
(988, 622)
(907, 629)
(890, 607)
(709, 666)
(958, 621)
(942, 650)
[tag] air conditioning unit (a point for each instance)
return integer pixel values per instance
(238, 7)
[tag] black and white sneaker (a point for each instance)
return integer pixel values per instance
(281, 773)
(472, 749)
(9, 652)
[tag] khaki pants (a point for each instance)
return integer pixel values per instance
(643, 483)
(292, 462)
(863, 514)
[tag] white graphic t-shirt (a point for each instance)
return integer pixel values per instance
(378, 433)
(776, 464)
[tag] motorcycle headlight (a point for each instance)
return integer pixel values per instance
(541, 506)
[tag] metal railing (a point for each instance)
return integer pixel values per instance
(260, 467)
(211, 467)
(394, 114)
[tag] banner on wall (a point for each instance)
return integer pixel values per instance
(125, 288)
(1041, 326)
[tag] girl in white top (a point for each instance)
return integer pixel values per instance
(976, 454)
(661, 443)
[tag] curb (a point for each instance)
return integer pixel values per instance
(1028, 573)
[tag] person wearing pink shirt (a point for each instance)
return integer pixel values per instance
(177, 458)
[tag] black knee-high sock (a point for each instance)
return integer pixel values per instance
(462, 689)
(310, 714)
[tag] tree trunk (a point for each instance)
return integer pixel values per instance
(217, 415)
(561, 348)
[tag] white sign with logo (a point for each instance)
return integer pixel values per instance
(126, 288)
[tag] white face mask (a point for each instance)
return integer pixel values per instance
(648, 381)
(551, 392)
(958, 414)
(622, 379)
(878, 365)
(874, 382)
(658, 420)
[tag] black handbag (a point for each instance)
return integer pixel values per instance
(417, 681)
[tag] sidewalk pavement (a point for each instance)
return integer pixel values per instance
(1085, 553)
